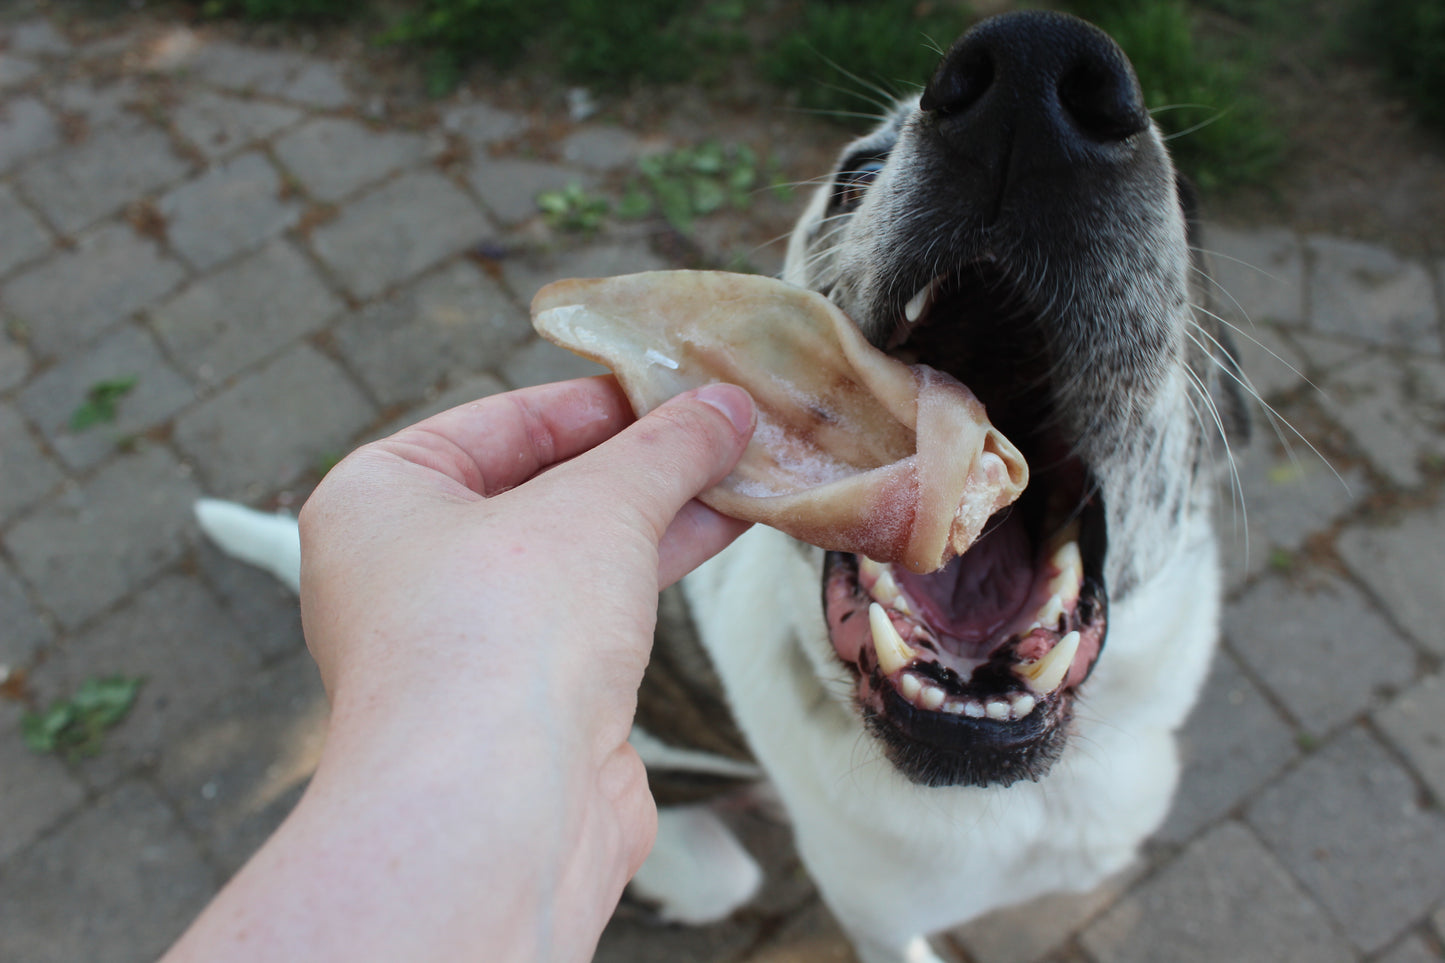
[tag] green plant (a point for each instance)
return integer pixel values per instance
(293, 10)
(851, 57)
(101, 401)
(1219, 133)
(75, 727)
(573, 209)
(1407, 38)
(692, 182)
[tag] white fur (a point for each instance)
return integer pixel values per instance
(269, 542)
(697, 872)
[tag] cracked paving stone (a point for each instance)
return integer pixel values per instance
(1368, 292)
(483, 123)
(25, 237)
(27, 128)
(38, 790)
(25, 631)
(219, 124)
(119, 884)
(1350, 825)
(251, 70)
(1394, 411)
(1029, 933)
(510, 187)
(1258, 275)
(1224, 898)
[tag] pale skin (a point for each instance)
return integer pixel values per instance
(479, 593)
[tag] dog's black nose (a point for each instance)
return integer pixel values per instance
(1045, 86)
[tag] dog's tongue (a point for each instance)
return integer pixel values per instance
(972, 597)
(854, 451)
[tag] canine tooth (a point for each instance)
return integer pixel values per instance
(1046, 674)
(1070, 577)
(974, 709)
(917, 304)
(893, 652)
(997, 709)
(910, 686)
(931, 697)
(1023, 704)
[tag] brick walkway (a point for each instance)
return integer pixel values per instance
(286, 270)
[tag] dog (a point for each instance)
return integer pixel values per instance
(1019, 225)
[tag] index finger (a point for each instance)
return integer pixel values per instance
(502, 440)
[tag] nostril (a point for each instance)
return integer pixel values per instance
(957, 88)
(1103, 99)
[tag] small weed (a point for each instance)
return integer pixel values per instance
(1282, 560)
(1306, 742)
(326, 461)
(76, 726)
(692, 182)
(101, 402)
(1407, 38)
(573, 209)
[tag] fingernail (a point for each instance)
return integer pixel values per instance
(735, 404)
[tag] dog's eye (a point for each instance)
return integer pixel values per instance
(852, 183)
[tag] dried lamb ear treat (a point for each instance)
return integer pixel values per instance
(854, 451)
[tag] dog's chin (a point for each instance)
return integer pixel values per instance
(968, 676)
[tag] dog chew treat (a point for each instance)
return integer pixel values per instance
(854, 451)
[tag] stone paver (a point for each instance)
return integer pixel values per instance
(1226, 898)
(1367, 292)
(1349, 824)
(86, 548)
(332, 157)
(120, 883)
(127, 354)
(1415, 723)
(25, 237)
(28, 471)
(175, 637)
(398, 231)
(455, 322)
(73, 296)
(1233, 743)
(1401, 563)
(27, 128)
(261, 433)
(219, 125)
(238, 771)
(293, 254)
(36, 792)
(25, 631)
(109, 169)
(233, 207)
(244, 312)
(1321, 649)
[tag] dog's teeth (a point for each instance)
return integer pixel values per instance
(931, 697)
(910, 686)
(1049, 612)
(916, 305)
(893, 652)
(997, 709)
(1046, 674)
(974, 709)
(1022, 704)
(1070, 565)
(954, 707)
(884, 586)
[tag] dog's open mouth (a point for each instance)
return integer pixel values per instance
(968, 674)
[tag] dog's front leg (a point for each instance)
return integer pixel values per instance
(916, 950)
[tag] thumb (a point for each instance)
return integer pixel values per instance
(670, 455)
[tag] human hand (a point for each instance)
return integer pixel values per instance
(479, 592)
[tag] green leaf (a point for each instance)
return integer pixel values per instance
(101, 401)
(76, 726)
